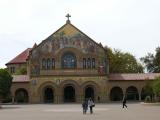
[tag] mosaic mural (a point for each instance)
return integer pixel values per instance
(69, 37)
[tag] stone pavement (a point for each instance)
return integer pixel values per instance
(108, 111)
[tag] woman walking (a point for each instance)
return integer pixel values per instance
(91, 105)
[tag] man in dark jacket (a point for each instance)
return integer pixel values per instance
(85, 106)
(124, 102)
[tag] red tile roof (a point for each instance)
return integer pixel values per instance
(20, 78)
(134, 76)
(21, 58)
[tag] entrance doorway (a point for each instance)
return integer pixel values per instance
(48, 95)
(116, 94)
(69, 94)
(21, 96)
(132, 93)
(89, 93)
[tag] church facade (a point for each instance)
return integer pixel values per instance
(69, 66)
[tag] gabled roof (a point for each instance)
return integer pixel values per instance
(21, 58)
(20, 78)
(75, 28)
(133, 76)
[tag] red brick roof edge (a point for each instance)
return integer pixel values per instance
(133, 76)
(21, 58)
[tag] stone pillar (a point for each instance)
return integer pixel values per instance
(139, 93)
(79, 98)
(60, 99)
(124, 92)
(139, 96)
(103, 98)
(56, 99)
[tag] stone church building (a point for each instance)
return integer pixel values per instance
(69, 66)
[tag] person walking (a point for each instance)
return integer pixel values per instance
(124, 102)
(85, 106)
(91, 105)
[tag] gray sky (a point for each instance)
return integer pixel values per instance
(130, 25)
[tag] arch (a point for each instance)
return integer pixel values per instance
(146, 92)
(48, 94)
(68, 60)
(116, 94)
(89, 92)
(90, 89)
(74, 89)
(21, 96)
(52, 90)
(69, 94)
(132, 93)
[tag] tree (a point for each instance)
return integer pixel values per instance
(21, 71)
(156, 86)
(147, 91)
(120, 62)
(152, 62)
(5, 83)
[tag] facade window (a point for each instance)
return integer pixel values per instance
(88, 63)
(68, 61)
(53, 63)
(48, 64)
(93, 63)
(84, 63)
(43, 64)
(12, 69)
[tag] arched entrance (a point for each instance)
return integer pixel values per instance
(89, 92)
(48, 95)
(69, 94)
(146, 92)
(132, 93)
(116, 94)
(21, 96)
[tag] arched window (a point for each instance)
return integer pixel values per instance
(88, 63)
(93, 63)
(84, 63)
(53, 63)
(48, 64)
(43, 64)
(68, 61)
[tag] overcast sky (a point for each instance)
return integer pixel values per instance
(129, 25)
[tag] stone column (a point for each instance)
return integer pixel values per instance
(139, 93)
(124, 92)
(139, 96)
(60, 99)
(79, 98)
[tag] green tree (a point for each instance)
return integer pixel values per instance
(152, 62)
(5, 83)
(147, 91)
(120, 62)
(21, 71)
(156, 86)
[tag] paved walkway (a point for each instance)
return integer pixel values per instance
(135, 111)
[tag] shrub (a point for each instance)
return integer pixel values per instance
(148, 99)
